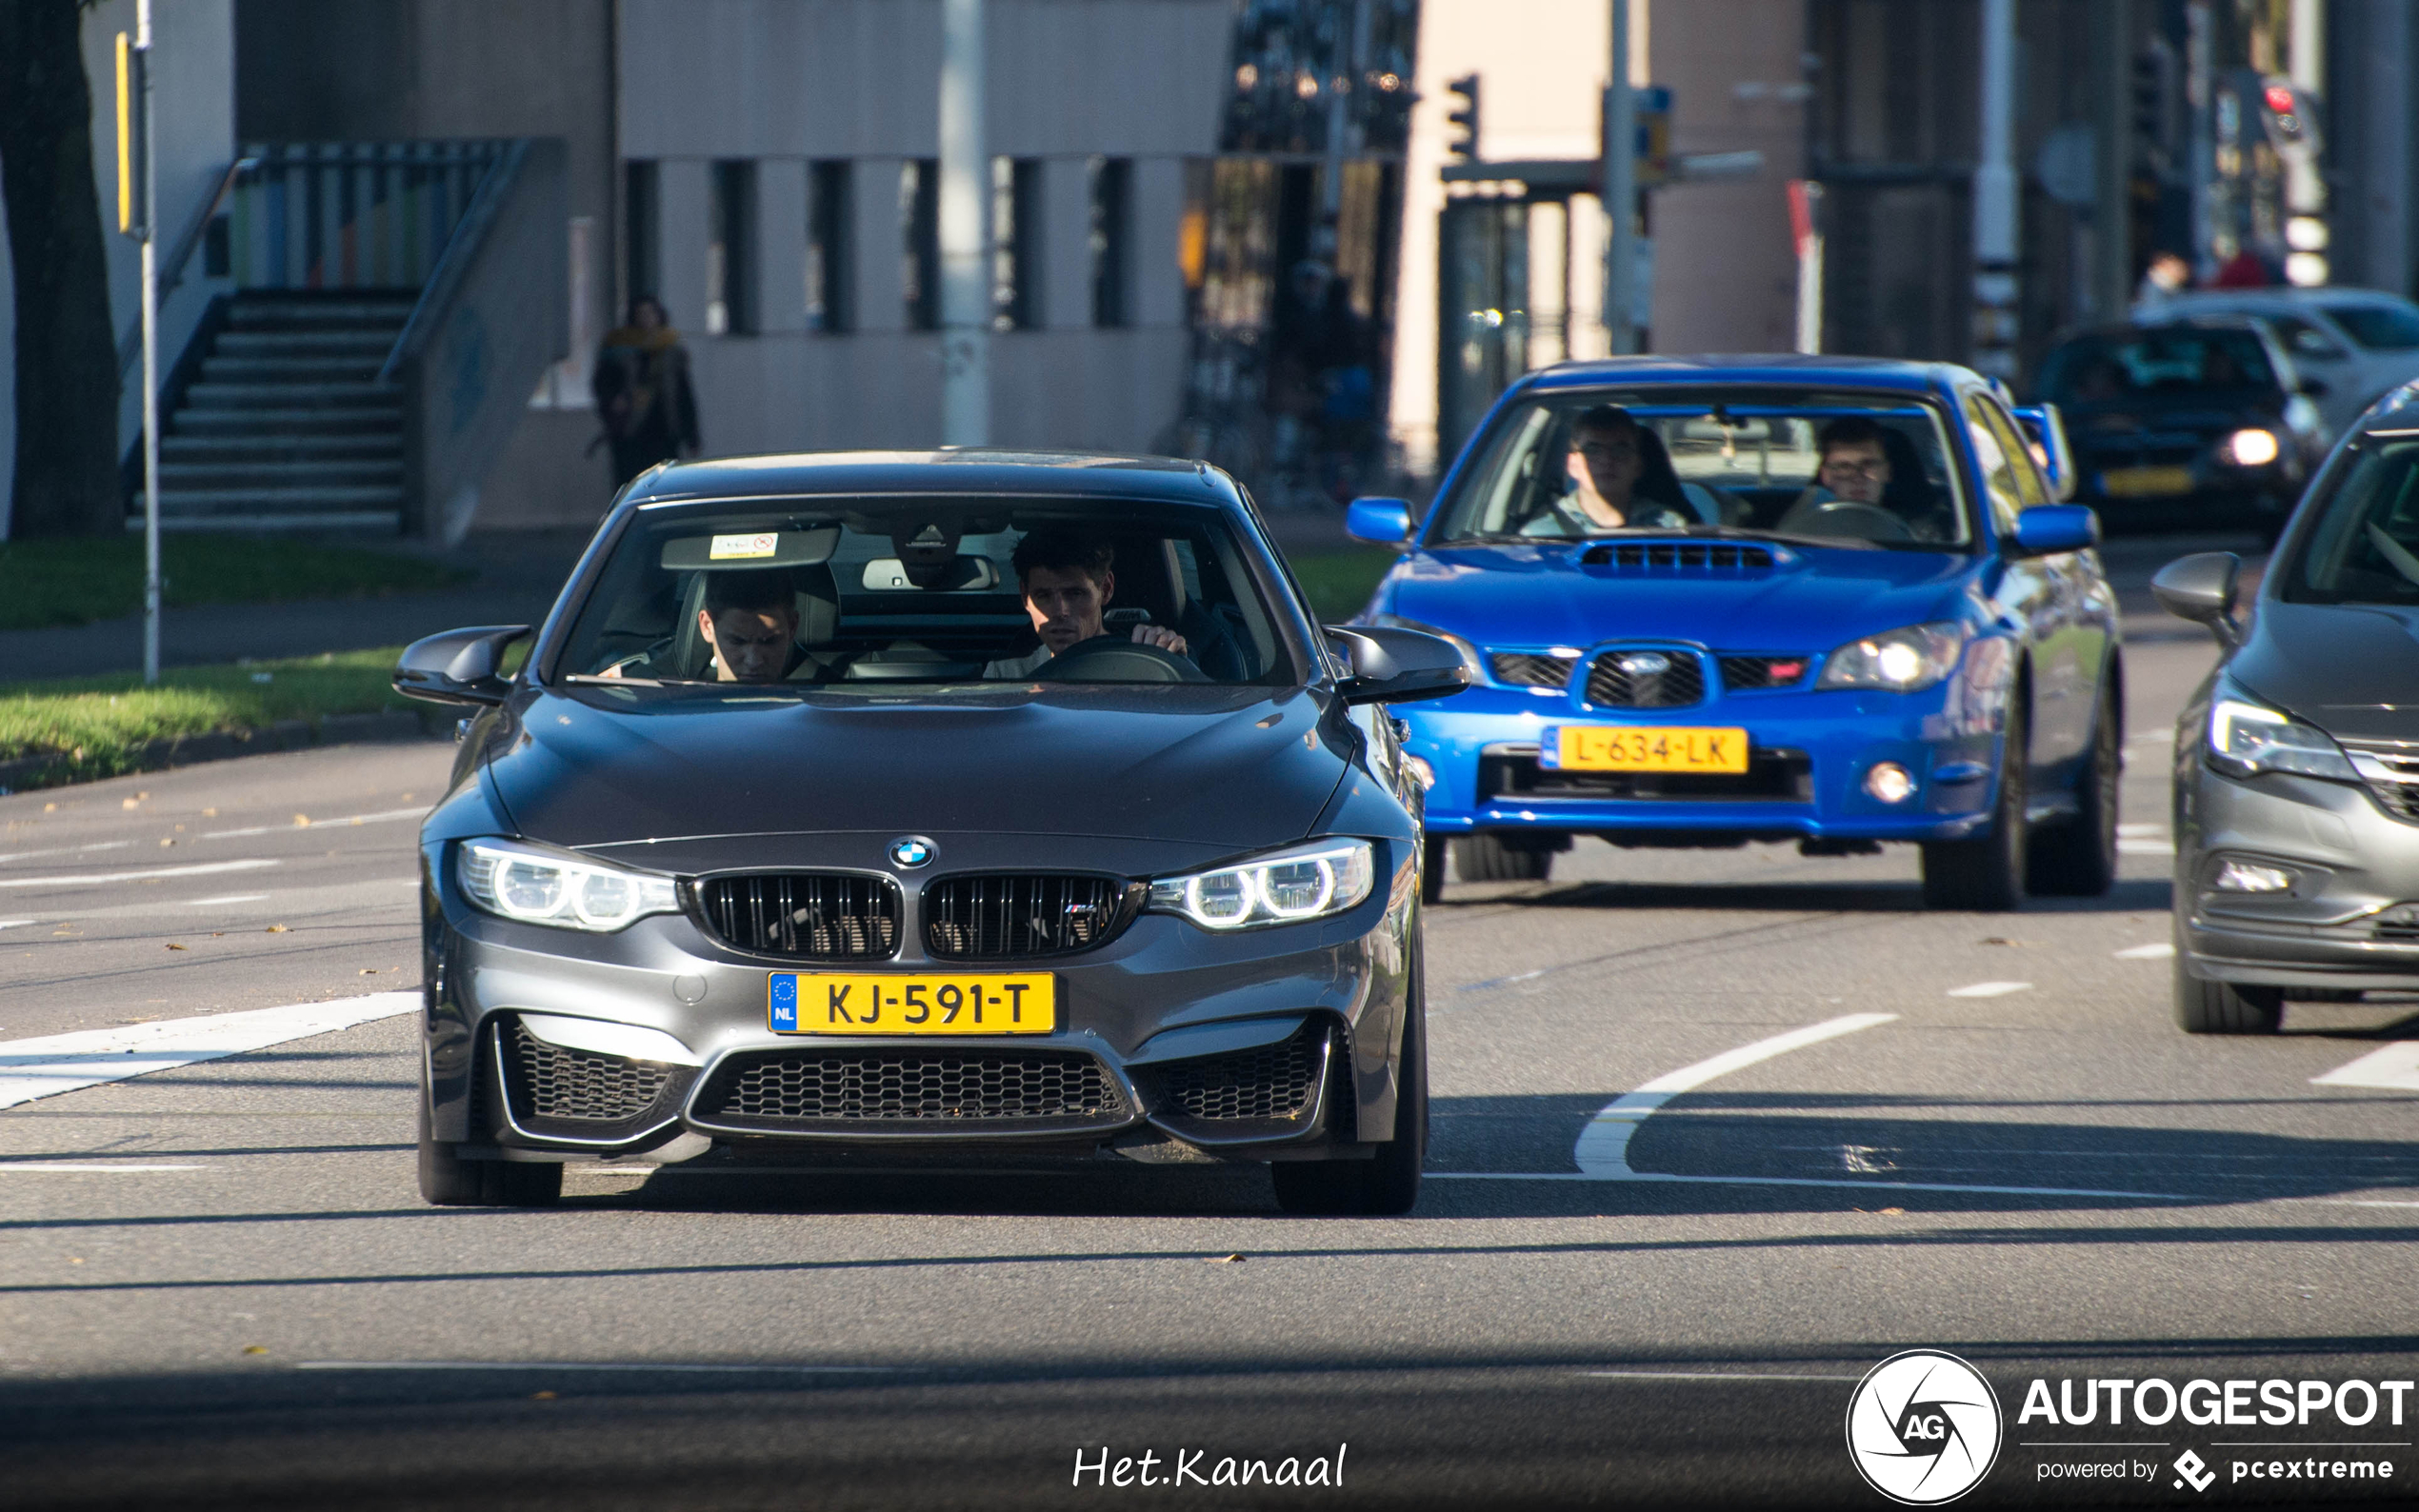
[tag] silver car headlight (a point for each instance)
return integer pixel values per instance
(533, 885)
(2245, 739)
(1310, 880)
(1902, 659)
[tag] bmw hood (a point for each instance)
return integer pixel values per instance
(1229, 766)
(2348, 668)
(1538, 596)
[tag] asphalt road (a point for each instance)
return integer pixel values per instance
(218, 1287)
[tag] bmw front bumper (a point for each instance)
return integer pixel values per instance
(1173, 1042)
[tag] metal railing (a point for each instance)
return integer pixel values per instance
(338, 215)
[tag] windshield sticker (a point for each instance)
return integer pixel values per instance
(739, 548)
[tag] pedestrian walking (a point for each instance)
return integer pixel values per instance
(644, 396)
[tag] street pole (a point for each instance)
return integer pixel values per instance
(151, 359)
(1620, 190)
(2112, 162)
(965, 314)
(1995, 197)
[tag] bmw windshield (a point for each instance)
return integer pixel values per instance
(1830, 468)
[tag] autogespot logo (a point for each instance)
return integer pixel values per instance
(1922, 1428)
(911, 851)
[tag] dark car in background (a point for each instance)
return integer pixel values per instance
(919, 890)
(2187, 423)
(2297, 760)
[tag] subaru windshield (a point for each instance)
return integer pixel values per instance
(1828, 469)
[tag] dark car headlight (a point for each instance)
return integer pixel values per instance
(2251, 446)
(1904, 660)
(1299, 882)
(2245, 739)
(533, 885)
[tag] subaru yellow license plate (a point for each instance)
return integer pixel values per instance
(916, 1003)
(1642, 748)
(2146, 483)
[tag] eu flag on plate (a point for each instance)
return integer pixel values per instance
(785, 1003)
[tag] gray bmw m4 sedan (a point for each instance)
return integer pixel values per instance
(2297, 760)
(884, 809)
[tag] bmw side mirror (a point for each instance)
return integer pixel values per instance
(1383, 522)
(2045, 430)
(1397, 666)
(2048, 528)
(458, 666)
(2201, 588)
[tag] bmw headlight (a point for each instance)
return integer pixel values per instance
(1469, 653)
(536, 885)
(1902, 660)
(1285, 887)
(2245, 739)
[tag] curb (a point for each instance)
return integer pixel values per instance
(61, 769)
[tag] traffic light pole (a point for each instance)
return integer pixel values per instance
(2112, 163)
(151, 295)
(965, 315)
(1620, 193)
(1994, 326)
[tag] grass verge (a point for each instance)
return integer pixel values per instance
(77, 582)
(1338, 583)
(90, 727)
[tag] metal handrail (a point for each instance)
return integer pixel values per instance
(173, 273)
(459, 247)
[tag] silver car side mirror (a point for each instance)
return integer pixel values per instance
(2202, 587)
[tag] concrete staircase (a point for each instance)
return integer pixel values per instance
(284, 425)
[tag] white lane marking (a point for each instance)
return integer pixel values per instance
(633, 1366)
(67, 850)
(2145, 847)
(1708, 1375)
(36, 1167)
(2138, 831)
(1603, 1150)
(232, 897)
(317, 823)
(2395, 1067)
(2159, 951)
(1604, 1145)
(13, 924)
(1990, 989)
(50, 1065)
(98, 879)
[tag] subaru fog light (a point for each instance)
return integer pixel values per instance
(2237, 875)
(1889, 782)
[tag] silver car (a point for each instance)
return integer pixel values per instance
(2297, 760)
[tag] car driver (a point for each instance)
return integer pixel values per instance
(1065, 579)
(751, 620)
(1855, 464)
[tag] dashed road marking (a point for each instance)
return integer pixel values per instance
(2395, 1067)
(67, 850)
(317, 823)
(2157, 950)
(232, 897)
(98, 879)
(1990, 989)
(635, 1366)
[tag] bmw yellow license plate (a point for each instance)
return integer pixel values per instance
(921, 1003)
(1643, 748)
(2146, 483)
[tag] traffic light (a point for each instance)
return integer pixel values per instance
(1464, 145)
(2290, 115)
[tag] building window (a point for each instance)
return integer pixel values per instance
(642, 201)
(731, 215)
(919, 236)
(1112, 188)
(830, 225)
(1016, 243)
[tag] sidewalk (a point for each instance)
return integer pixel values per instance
(519, 575)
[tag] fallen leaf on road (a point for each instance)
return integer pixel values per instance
(256, 1349)
(1228, 1260)
(128, 802)
(301, 820)
(209, 813)
(1891, 1211)
(541, 1396)
(166, 842)
(75, 1259)
(368, 971)
(173, 946)
(274, 929)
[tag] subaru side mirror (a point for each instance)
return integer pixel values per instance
(1383, 522)
(2048, 528)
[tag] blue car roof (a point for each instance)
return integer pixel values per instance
(968, 470)
(1780, 367)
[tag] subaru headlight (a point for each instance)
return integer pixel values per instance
(536, 885)
(1311, 881)
(2245, 739)
(1902, 660)
(1470, 652)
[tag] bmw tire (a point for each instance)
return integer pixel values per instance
(448, 1181)
(1491, 857)
(1387, 1185)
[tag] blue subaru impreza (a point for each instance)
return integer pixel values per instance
(1708, 601)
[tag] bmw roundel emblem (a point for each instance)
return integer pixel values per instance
(911, 851)
(1646, 663)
